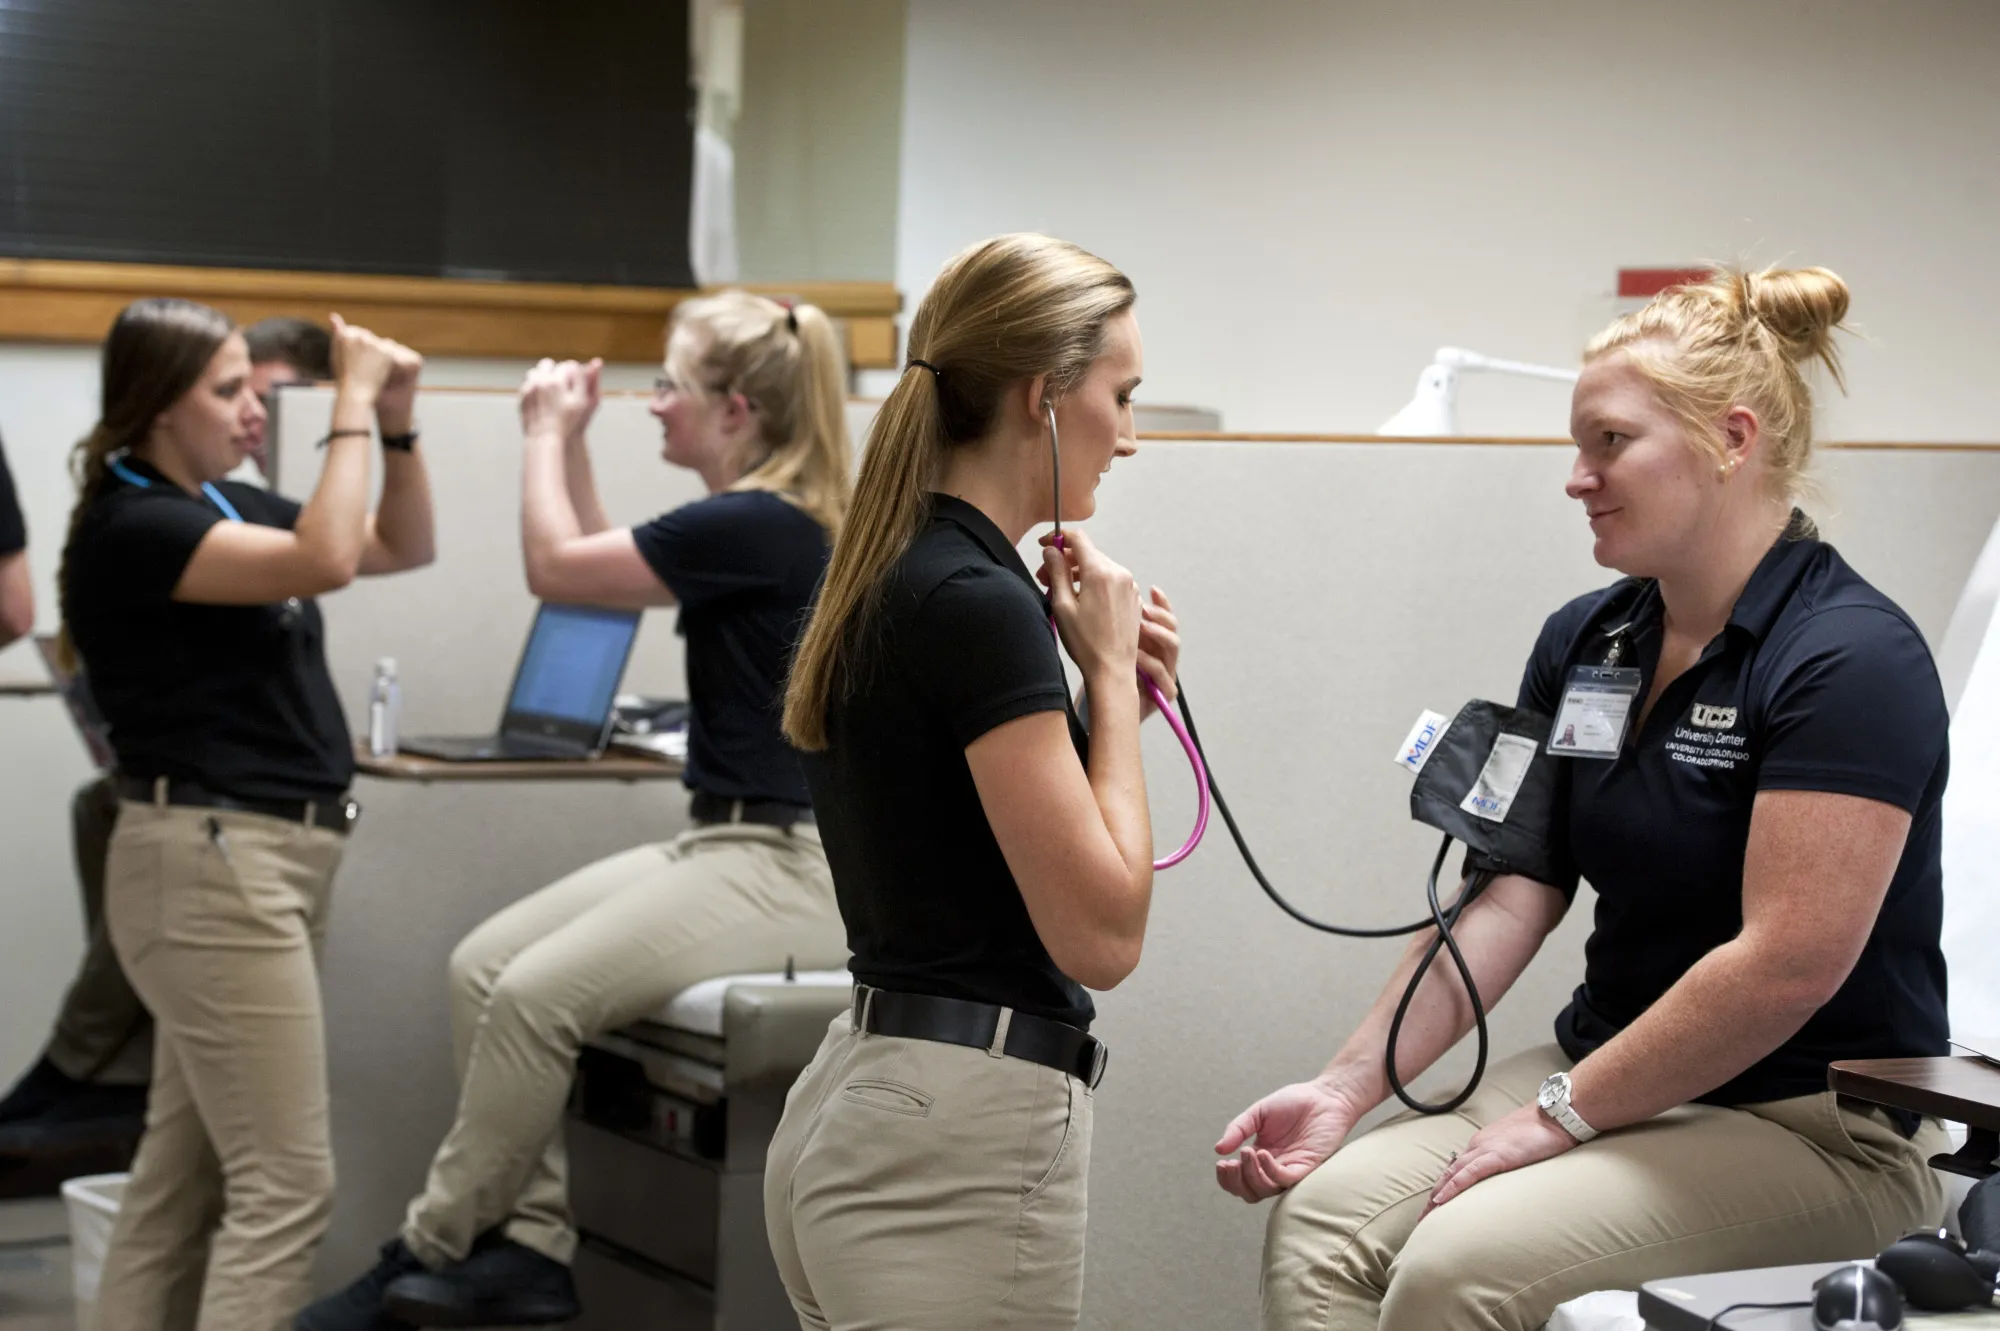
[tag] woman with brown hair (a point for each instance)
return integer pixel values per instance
(189, 599)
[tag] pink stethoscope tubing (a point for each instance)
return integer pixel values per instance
(1160, 702)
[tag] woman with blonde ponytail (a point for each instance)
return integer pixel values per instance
(752, 400)
(992, 859)
(190, 599)
(1755, 799)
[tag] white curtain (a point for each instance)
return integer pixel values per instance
(1972, 818)
(712, 210)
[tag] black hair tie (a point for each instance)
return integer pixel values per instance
(926, 365)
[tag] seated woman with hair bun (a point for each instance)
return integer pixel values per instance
(1764, 841)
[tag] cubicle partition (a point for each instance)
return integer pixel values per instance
(1328, 591)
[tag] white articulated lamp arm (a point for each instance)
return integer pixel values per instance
(1434, 409)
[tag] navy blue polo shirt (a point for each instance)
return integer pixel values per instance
(742, 565)
(1818, 682)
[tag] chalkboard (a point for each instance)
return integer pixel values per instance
(447, 138)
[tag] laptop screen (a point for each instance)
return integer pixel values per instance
(573, 662)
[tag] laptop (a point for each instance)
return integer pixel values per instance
(560, 705)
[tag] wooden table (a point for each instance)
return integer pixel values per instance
(611, 765)
(1963, 1090)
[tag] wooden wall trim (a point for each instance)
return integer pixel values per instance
(1221, 437)
(47, 300)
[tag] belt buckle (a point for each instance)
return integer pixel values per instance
(1100, 1059)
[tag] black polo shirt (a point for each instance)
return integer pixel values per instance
(1818, 682)
(13, 528)
(959, 645)
(742, 565)
(234, 697)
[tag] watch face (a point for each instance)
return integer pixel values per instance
(1551, 1094)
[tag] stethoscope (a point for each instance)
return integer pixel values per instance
(1160, 702)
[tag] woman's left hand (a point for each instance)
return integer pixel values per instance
(397, 401)
(1525, 1137)
(1159, 647)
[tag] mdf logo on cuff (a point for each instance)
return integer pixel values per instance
(1707, 716)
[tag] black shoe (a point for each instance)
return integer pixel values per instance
(359, 1306)
(499, 1284)
(112, 1136)
(37, 1092)
(51, 1112)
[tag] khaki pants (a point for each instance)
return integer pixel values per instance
(600, 948)
(216, 916)
(919, 1186)
(103, 1035)
(1697, 1189)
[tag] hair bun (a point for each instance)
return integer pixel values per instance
(1802, 306)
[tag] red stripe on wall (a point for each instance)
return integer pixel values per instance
(1646, 282)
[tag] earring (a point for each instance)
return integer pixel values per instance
(1724, 470)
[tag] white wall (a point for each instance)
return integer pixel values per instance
(1314, 194)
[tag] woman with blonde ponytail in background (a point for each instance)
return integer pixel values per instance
(1760, 821)
(752, 400)
(991, 858)
(190, 600)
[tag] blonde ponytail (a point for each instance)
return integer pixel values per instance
(787, 363)
(1000, 313)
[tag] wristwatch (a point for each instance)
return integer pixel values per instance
(1554, 1101)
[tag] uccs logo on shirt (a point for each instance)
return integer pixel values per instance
(1707, 716)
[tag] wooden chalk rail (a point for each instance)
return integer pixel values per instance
(51, 300)
(1221, 437)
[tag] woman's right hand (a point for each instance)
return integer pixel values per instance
(362, 362)
(559, 399)
(1096, 605)
(1297, 1128)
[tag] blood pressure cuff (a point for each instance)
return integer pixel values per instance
(1490, 782)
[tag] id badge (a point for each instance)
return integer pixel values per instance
(1596, 708)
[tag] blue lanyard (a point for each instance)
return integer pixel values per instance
(125, 473)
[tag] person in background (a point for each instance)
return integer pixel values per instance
(189, 599)
(82, 1106)
(752, 401)
(284, 351)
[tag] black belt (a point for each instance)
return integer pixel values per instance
(708, 809)
(957, 1021)
(335, 815)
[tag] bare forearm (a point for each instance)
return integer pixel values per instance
(548, 519)
(583, 500)
(403, 519)
(1498, 935)
(1720, 1018)
(334, 521)
(1117, 778)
